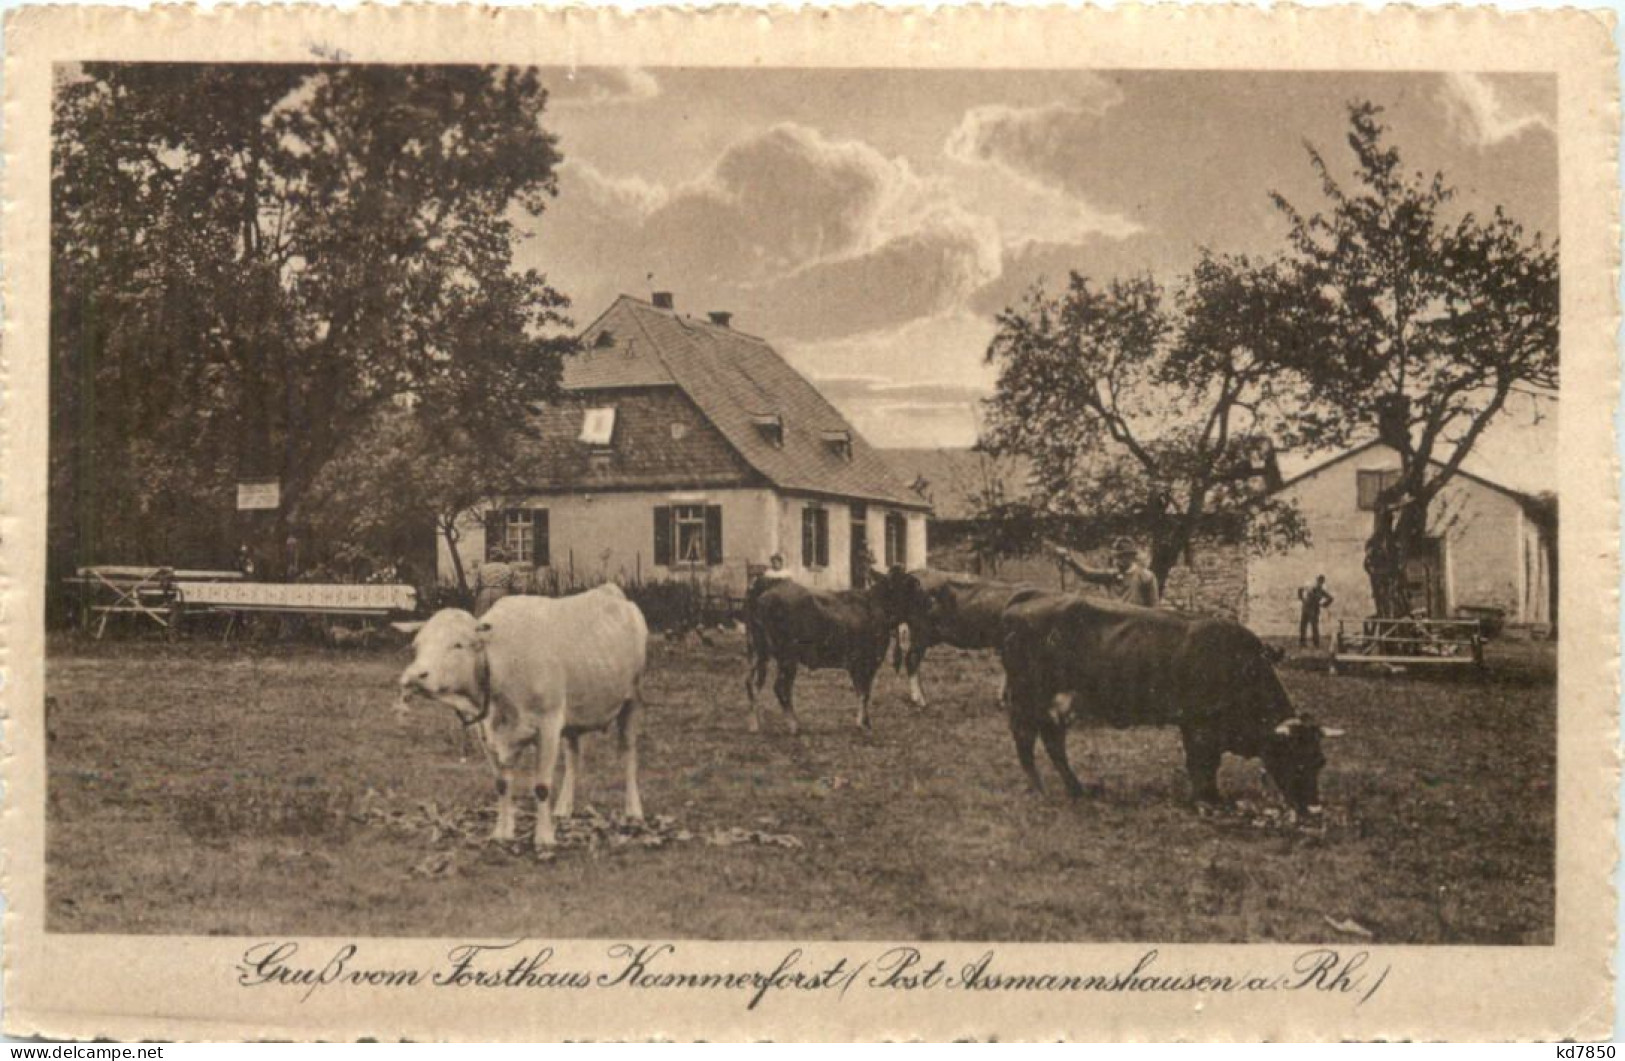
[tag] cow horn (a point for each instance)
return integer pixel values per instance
(1327, 731)
(1288, 727)
(408, 628)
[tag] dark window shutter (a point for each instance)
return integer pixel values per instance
(542, 547)
(713, 534)
(823, 537)
(494, 520)
(809, 547)
(663, 535)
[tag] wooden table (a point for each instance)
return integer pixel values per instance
(107, 590)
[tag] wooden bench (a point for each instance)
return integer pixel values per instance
(328, 600)
(1401, 642)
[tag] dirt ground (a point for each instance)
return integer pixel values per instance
(240, 789)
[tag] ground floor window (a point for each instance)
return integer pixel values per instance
(815, 537)
(896, 540)
(521, 533)
(688, 535)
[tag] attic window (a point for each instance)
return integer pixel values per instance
(598, 426)
(605, 339)
(771, 426)
(839, 442)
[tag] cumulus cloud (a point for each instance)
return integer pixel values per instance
(584, 85)
(802, 235)
(1019, 160)
(1483, 113)
(630, 198)
(784, 199)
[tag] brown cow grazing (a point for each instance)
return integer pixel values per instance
(951, 608)
(795, 627)
(1068, 657)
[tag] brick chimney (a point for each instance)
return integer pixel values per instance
(663, 300)
(720, 318)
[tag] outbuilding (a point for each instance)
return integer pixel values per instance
(1491, 550)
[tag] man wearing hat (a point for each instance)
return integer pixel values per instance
(1129, 581)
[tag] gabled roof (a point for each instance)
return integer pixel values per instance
(1320, 466)
(737, 380)
(615, 356)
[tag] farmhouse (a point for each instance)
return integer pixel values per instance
(1491, 550)
(685, 449)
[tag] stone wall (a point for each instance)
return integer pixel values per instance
(1212, 582)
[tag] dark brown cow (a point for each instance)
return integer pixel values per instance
(795, 627)
(1068, 657)
(951, 608)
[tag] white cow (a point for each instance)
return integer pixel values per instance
(534, 670)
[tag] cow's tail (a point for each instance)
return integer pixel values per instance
(755, 634)
(897, 648)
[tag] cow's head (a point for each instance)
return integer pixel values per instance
(1293, 760)
(899, 594)
(447, 654)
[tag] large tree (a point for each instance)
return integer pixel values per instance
(406, 471)
(1410, 326)
(1143, 415)
(248, 262)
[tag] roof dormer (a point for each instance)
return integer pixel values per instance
(770, 426)
(838, 441)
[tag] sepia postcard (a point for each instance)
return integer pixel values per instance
(762, 524)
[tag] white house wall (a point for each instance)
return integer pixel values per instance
(595, 537)
(1482, 528)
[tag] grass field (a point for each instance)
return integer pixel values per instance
(237, 789)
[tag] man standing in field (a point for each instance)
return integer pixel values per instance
(1313, 598)
(1129, 581)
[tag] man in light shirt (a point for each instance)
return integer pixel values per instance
(1128, 581)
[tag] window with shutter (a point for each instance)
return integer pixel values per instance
(663, 535)
(896, 540)
(542, 546)
(713, 534)
(493, 533)
(814, 537)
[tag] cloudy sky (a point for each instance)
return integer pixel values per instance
(870, 223)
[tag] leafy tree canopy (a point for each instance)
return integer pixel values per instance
(1410, 325)
(250, 261)
(1144, 415)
